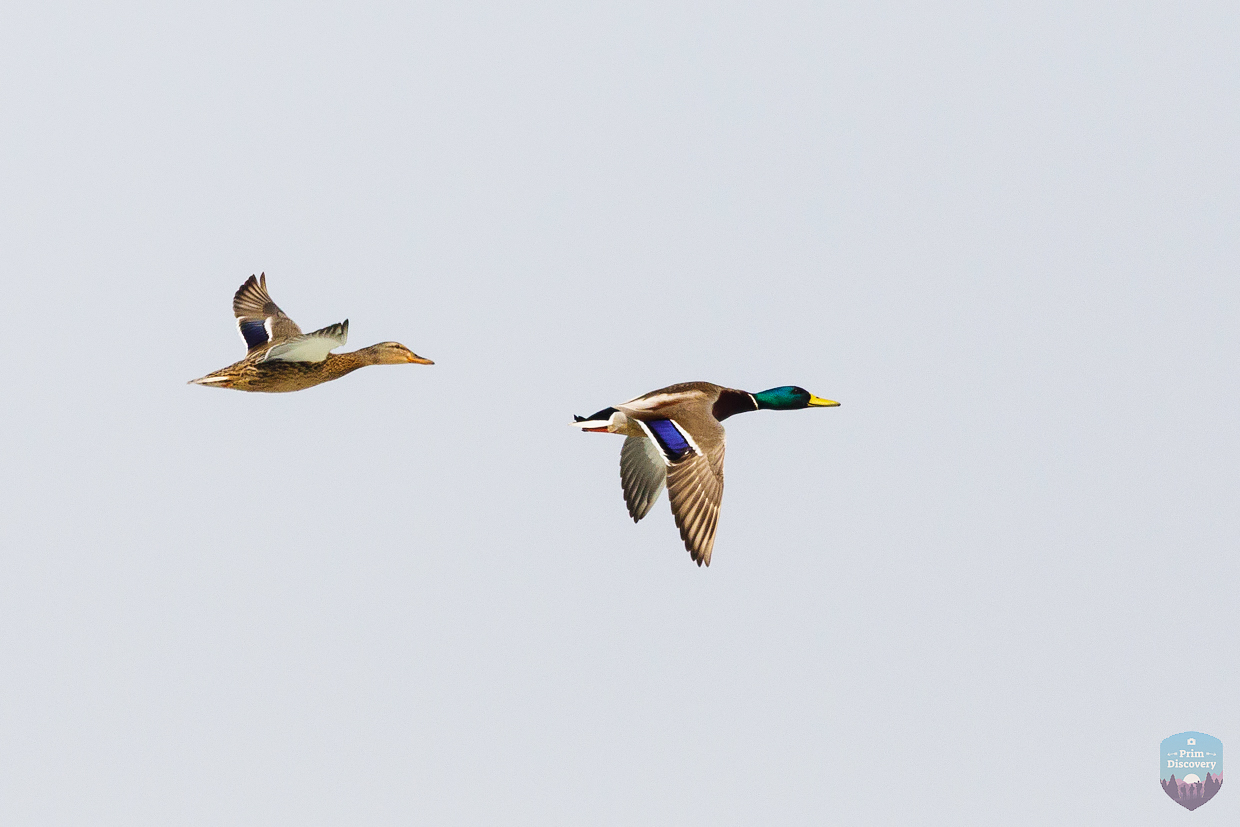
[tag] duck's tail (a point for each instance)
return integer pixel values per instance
(594, 422)
(212, 380)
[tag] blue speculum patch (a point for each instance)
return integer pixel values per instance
(673, 443)
(254, 332)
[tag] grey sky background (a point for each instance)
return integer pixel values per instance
(981, 591)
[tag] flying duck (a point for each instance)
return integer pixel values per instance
(674, 436)
(281, 358)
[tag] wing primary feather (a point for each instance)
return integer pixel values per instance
(695, 487)
(642, 475)
(260, 319)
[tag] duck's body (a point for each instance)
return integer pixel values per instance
(282, 359)
(278, 376)
(675, 437)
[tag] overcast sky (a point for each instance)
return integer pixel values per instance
(982, 590)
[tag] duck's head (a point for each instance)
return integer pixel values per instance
(394, 353)
(790, 398)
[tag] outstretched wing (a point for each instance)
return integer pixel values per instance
(642, 473)
(695, 487)
(260, 321)
(694, 478)
(309, 347)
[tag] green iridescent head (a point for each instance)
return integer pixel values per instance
(790, 398)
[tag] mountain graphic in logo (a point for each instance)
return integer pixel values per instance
(1191, 766)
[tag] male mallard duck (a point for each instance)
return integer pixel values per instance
(674, 437)
(282, 358)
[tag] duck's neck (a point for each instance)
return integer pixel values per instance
(342, 363)
(372, 355)
(732, 402)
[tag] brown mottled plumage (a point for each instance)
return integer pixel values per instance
(281, 358)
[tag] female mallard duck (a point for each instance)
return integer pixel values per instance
(283, 359)
(674, 437)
